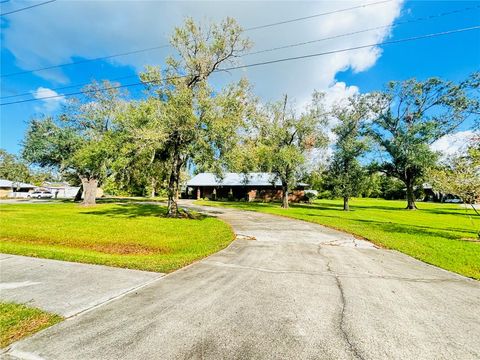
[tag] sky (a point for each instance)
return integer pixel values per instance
(66, 31)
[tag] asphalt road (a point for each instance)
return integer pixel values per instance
(299, 291)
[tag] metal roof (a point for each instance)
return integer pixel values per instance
(236, 179)
(16, 184)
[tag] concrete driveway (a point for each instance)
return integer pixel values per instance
(65, 288)
(299, 291)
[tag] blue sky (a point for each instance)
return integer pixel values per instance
(66, 31)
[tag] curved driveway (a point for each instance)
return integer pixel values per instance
(299, 291)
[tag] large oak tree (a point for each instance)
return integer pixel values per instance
(413, 115)
(81, 141)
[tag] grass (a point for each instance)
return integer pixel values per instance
(439, 234)
(18, 321)
(128, 235)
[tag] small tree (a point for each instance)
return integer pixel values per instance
(412, 116)
(12, 168)
(346, 174)
(81, 141)
(284, 139)
(460, 176)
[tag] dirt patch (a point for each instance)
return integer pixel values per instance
(105, 248)
(125, 249)
(244, 237)
(27, 327)
(477, 240)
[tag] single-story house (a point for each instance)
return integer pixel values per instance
(239, 186)
(61, 190)
(14, 188)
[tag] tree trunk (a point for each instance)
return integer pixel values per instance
(153, 183)
(285, 196)
(90, 191)
(78, 196)
(172, 206)
(410, 197)
(346, 207)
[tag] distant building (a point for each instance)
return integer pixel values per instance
(14, 188)
(239, 186)
(61, 190)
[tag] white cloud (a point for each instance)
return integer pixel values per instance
(51, 100)
(63, 31)
(452, 144)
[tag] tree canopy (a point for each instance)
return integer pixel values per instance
(412, 115)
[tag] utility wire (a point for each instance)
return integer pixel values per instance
(264, 50)
(315, 15)
(86, 60)
(432, 35)
(26, 8)
(367, 30)
(167, 45)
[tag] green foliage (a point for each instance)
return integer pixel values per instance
(81, 141)
(346, 175)
(12, 168)
(310, 195)
(281, 139)
(198, 126)
(412, 115)
(15, 169)
(460, 175)
(372, 185)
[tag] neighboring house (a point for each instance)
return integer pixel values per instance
(432, 195)
(238, 186)
(61, 190)
(14, 188)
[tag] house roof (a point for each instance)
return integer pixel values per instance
(236, 179)
(16, 184)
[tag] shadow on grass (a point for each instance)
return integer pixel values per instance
(410, 229)
(129, 210)
(353, 207)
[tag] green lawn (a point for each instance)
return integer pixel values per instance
(438, 234)
(18, 321)
(129, 235)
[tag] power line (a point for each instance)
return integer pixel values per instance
(432, 35)
(167, 45)
(28, 7)
(69, 86)
(87, 60)
(266, 50)
(367, 30)
(356, 47)
(316, 15)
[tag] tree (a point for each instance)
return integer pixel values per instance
(79, 142)
(12, 168)
(140, 168)
(460, 175)
(412, 116)
(199, 125)
(346, 174)
(284, 139)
